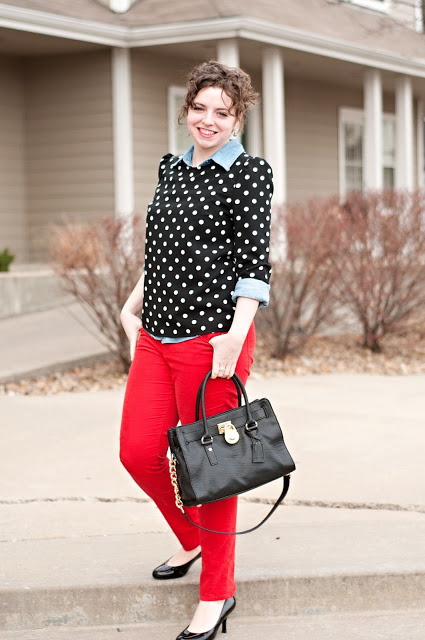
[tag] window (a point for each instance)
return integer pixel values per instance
(377, 5)
(388, 144)
(350, 150)
(351, 162)
(178, 137)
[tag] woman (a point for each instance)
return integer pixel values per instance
(206, 273)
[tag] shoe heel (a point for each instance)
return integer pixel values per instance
(224, 626)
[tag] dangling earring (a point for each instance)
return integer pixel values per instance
(235, 133)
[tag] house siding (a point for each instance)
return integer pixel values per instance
(56, 138)
(312, 134)
(152, 75)
(12, 159)
(69, 143)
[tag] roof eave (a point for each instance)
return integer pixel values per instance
(53, 24)
(279, 35)
(201, 30)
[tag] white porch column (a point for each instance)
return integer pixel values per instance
(228, 52)
(404, 178)
(373, 151)
(122, 131)
(274, 119)
(420, 115)
(253, 131)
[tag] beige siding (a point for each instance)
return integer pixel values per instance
(152, 75)
(69, 142)
(312, 134)
(13, 232)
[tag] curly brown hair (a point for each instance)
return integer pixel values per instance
(234, 82)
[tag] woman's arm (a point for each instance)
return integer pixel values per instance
(228, 346)
(129, 319)
(251, 219)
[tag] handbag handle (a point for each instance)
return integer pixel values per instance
(198, 398)
(286, 480)
(250, 423)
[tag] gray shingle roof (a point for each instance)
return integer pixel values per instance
(339, 21)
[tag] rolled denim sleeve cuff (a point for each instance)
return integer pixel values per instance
(252, 288)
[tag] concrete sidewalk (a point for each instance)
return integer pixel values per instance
(79, 539)
(37, 343)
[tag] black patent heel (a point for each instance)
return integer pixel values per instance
(229, 605)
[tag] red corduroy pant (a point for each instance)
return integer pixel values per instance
(161, 390)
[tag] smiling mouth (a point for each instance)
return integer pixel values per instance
(207, 133)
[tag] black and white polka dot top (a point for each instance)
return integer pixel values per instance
(206, 229)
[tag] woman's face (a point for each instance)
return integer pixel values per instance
(210, 120)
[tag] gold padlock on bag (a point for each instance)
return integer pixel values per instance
(230, 432)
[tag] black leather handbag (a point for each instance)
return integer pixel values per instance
(227, 454)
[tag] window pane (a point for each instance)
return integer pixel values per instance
(389, 177)
(353, 143)
(388, 132)
(353, 178)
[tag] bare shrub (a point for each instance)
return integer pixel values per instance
(381, 261)
(99, 263)
(303, 240)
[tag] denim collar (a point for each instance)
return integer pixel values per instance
(225, 156)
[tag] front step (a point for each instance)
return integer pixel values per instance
(305, 561)
(297, 596)
(369, 625)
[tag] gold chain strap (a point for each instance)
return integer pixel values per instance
(173, 475)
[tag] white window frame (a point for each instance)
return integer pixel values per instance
(174, 92)
(353, 116)
(375, 5)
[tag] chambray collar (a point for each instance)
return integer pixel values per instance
(225, 156)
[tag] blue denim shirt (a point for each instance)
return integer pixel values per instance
(245, 287)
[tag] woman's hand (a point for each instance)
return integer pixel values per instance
(131, 325)
(227, 348)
